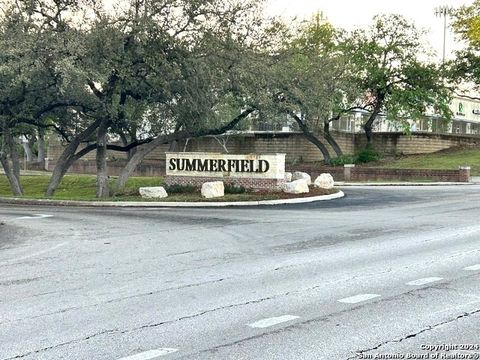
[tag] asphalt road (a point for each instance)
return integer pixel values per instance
(389, 271)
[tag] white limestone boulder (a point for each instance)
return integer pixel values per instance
(154, 192)
(324, 181)
(288, 176)
(299, 186)
(213, 189)
(297, 175)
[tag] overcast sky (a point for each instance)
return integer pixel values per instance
(349, 14)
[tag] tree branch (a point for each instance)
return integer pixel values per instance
(112, 147)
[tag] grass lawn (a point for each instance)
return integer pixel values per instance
(447, 159)
(83, 187)
(73, 187)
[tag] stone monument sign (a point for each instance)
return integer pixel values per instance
(252, 171)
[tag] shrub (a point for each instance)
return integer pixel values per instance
(233, 189)
(367, 155)
(364, 156)
(181, 189)
(344, 159)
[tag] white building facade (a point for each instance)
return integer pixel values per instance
(465, 120)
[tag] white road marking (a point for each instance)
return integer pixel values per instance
(272, 321)
(35, 216)
(472, 268)
(424, 281)
(150, 354)
(12, 261)
(358, 298)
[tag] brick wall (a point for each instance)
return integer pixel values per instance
(369, 174)
(247, 183)
(360, 173)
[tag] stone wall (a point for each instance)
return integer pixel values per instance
(417, 143)
(294, 145)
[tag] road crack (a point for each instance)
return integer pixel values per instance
(111, 331)
(415, 334)
(117, 331)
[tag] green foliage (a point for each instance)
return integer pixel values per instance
(367, 155)
(362, 157)
(344, 159)
(181, 189)
(390, 68)
(311, 74)
(234, 189)
(466, 66)
(467, 23)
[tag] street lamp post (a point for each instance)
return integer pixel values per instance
(444, 11)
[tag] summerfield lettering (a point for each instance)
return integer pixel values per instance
(249, 167)
(219, 165)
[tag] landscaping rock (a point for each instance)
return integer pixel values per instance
(213, 189)
(297, 175)
(324, 181)
(296, 187)
(288, 176)
(155, 192)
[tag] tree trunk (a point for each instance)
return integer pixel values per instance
(323, 149)
(136, 159)
(28, 151)
(367, 127)
(68, 157)
(368, 133)
(14, 182)
(328, 136)
(144, 150)
(15, 185)
(12, 148)
(12, 172)
(61, 167)
(312, 138)
(41, 147)
(101, 160)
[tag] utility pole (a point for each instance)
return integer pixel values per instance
(444, 11)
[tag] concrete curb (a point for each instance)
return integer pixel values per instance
(140, 204)
(344, 184)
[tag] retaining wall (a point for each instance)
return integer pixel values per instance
(294, 145)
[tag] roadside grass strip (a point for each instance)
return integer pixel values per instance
(151, 354)
(264, 323)
(424, 281)
(358, 298)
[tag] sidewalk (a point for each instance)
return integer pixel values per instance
(405, 183)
